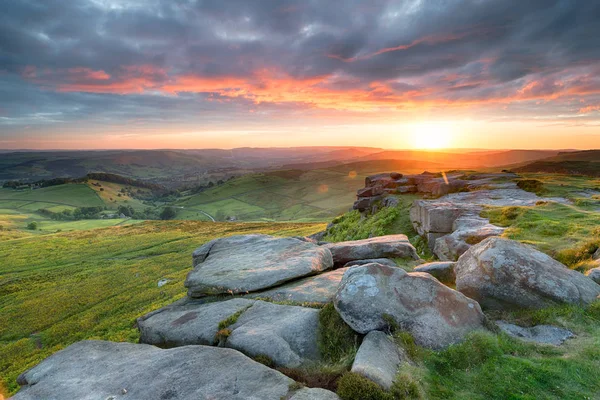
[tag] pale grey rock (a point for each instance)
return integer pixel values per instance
(180, 325)
(434, 314)
(541, 334)
(467, 231)
(390, 246)
(382, 261)
(248, 263)
(443, 271)
(314, 289)
(596, 255)
(285, 334)
(314, 394)
(505, 274)
(594, 274)
(378, 359)
(93, 370)
(162, 282)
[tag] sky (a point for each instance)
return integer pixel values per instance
(91, 74)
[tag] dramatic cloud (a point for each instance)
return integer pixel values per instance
(117, 63)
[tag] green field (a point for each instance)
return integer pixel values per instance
(317, 195)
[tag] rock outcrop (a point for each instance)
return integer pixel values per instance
(106, 370)
(285, 334)
(443, 271)
(541, 334)
(391, 246)
(452, 223)
(249, 263)
(378, 359)
(505, 274)
(371, 297)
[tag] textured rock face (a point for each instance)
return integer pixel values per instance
(187, 324)
(594, 274)
(596, 255)
(505, 274)
(391, 246)
(105, 370)
(443, 271)
(434, 314)
(314, 289)
(285, 334)
(249, 263)
(542, 334)
(378, 359)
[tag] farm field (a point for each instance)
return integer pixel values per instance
(93, 284)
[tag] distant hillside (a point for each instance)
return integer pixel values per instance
(466, 160)
(167, 167)
(573, 163)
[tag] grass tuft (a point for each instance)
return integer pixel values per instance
(338, 343)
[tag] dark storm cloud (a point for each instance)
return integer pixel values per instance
(97, 60)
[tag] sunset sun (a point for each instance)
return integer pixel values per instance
(432, 135)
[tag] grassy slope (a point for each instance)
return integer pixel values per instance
(58, 289)
(570, 233)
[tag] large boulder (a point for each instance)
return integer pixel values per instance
(285, 334)
(443, 271)
(378, 359)
(180, 325)
(596, 255)
(505, 274)
(107, 370)
(372, 296)
(391, 246)
(314, 289)
(248, 263)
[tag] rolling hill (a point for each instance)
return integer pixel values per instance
(585, 163)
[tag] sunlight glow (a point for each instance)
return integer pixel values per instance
(432, 135)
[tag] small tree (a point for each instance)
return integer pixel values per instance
(168, 213)
(32, 226)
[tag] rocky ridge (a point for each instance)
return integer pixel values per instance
(253, 297)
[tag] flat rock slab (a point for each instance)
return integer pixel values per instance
(378, 359)
(285, 334)
(443, 271)
(437, 316)
(314, 289)
(93, 370)
(506, 274)
(249, 263)
(181, 325)
(541, 334)
(390, 246)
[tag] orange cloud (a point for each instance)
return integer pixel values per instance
(589, 109)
